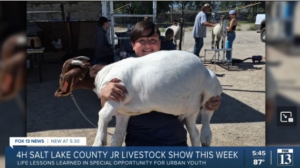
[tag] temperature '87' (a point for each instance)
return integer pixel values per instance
(258, 161)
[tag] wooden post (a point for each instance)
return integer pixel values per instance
(181, 29)
(171, 13)
(62, 12)
(69, 33)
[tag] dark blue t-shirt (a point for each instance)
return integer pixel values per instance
(159, 127)
(169, 45)
(166, 45)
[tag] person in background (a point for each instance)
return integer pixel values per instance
(231, 33)
(154, 128)
(167, 41)
(199, 30)
(104, 52)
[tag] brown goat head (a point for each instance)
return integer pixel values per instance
(12, 66)
(74, 75)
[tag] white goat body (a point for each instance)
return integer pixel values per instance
(171, 82)
(217, 35)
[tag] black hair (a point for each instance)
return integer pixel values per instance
(168, 33)
(102, 20)
(138, 28)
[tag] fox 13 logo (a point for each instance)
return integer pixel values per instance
(285, 157)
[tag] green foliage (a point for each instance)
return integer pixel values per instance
(251, 27)
(145, 7)
(182, 5)
(250, 18)
(198, 4)
(141, 7)
(244, 22)
(167, 22)
(228, 5)
(163, 6)
(162, 29)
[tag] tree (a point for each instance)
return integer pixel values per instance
(182, 5)
(163, 6)
(142, 7)
(226, 5)
(198, 4)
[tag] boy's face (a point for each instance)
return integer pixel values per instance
(146, 45)
(106, 25)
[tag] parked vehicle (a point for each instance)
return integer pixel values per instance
(260, 26)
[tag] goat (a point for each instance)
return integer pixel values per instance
(217, 34)
(12, 74)
(171, 82)
(177, 30)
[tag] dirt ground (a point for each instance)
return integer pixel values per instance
(240, 120)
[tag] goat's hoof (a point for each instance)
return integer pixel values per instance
(99, 143)
(204, 145)
(206, 141)
(206, 137)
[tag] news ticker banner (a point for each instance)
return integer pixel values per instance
(73, 152)
(210, 157)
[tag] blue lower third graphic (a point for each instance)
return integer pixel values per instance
(210, 157)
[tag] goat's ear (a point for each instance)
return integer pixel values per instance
(58, 93)
(7, 82)
(6, 86)
(95, 69)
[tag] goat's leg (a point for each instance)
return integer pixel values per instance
(218, 46)
(190, 123)
(182, 40)
(175, 42)
(120, 129)
(213, 40)
(105, 115)
(222, 46)
(206, 135)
